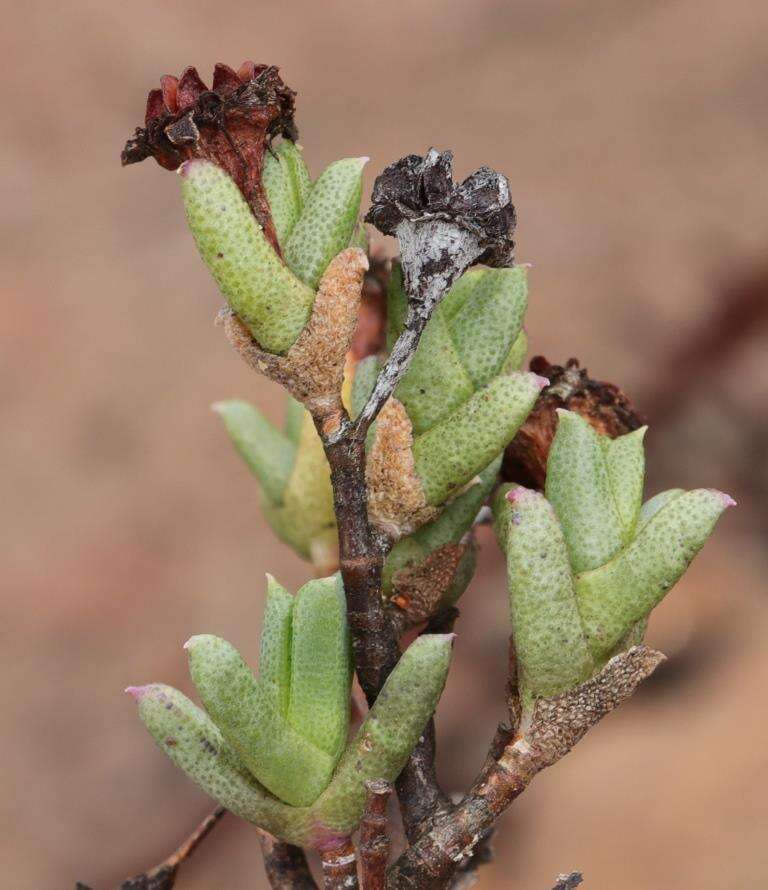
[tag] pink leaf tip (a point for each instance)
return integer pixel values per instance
(518, 493)
(137, 692)
(188, 167)
(540, 381)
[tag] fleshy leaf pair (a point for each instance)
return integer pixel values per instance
(293, 475)
(274, 749)
(273, 295)
(587, 563)
(460, 403)
(425, 571)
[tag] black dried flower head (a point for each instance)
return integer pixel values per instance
(419, 188)
(230, 124)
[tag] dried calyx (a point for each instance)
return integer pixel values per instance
(442, 226)
(609, 410)
(230, 124)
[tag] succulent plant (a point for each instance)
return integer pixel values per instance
(293, 476)
(461, 403)
(272, 294)
(387, 456)
(457, 406)
(588, 562)
(273, 748)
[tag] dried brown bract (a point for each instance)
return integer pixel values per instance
(604, 405)
(313, 368)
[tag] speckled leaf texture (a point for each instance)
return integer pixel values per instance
(617, 594)
(449, 454)
(287, 764)
(463, 395)
(260, 288)
(389, 732)
(551, 648)
(587, 566)
(321, 665)
(449, 528)
(625, 465)
(465, 343)
(194, 743)
(276, 642)
(579, 488)
(327, 221)
(243, 739)
(286, 183)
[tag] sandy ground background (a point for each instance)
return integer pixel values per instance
(634, 135)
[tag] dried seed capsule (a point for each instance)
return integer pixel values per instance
(327, 221)
(287, 764)
(623, 591)
(262, 290)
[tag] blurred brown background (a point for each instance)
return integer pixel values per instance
(634, 135)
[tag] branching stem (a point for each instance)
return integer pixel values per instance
(374, 839)
(340, 867)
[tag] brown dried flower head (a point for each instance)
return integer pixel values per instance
(230, 124)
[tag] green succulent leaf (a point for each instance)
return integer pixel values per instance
(366, 372)
(260, 288)
(294, 418)
(383, 743)
(327, 221)
(397, 305)
(321, 665)
(516, 355)
(551, 648)
(625, 463)
(275, 656)
(292, 159)
(465, 344)
(436, 383)
(652, 506)
(451, 453)
(270, 454)
(193, 742)
(579, 488)
(449, 528)
(286, 763)
(488, 321)
(616, 595)
(283, 177)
